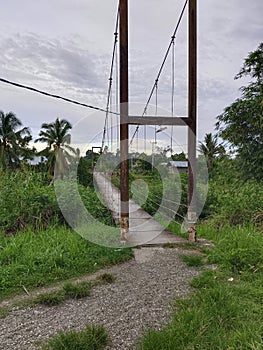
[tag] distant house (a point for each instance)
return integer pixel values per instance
(177, 166)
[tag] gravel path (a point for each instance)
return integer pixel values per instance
(138, 299)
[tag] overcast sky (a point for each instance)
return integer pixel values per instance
(64, 47)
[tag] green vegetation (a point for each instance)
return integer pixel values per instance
(193, 260)
(58, 151)
(14, 141)
(91, 338)
(37, 248)
(69, 291)
(225, 310)
(50, 299)
(33, 259)
(241, 124)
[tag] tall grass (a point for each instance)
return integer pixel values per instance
(226, 310)
(28, 199)
(33, 259)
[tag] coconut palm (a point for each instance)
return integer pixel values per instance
(13, 141)
(58, 150)
(211, 149)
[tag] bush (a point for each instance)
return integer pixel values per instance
(235, 203)
(26, 199)
(29, 199)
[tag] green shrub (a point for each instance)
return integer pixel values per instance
(26, 199)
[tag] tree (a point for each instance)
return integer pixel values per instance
(211, 149)
(58, 150)
(181, 157)
(241, 123)
(13, 141)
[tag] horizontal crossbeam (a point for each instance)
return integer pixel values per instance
(157, 120)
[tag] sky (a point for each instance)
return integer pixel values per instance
(64, 47)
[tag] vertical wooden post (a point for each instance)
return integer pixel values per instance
(192, 109)
(124, 127)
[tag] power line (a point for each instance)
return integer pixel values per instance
(162, 66)
(54, 96)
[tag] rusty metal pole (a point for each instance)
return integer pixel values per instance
(124, 127)
(192, 110)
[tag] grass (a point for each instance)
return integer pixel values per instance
(106, 278)
(91, 338)
(225, 311)
(4, 311)
(193, 260)
(68, 291)
(72, 291)
(30, 260)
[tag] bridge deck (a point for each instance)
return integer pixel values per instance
(144, 229)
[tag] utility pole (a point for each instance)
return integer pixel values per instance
(124, 126)
(192, 109)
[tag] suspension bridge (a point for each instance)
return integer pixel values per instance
(132, 220)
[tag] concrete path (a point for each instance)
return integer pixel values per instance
(144, 229)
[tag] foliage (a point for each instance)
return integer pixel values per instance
(58, 150)
(33, 259)
(225, 311)
(239, 250)
(26, 199)
(241, 124)
(84, 173)
(179, 156)
(91, 338)
(231, 200)
(211, 149)
(13, 141)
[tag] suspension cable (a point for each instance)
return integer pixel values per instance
(111, 76)
(162, 65)
(172, 97)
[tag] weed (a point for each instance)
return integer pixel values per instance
(193, 260)
(91, 338)
(77, 291)
(50, 299)
(4, 312)
(106, 278)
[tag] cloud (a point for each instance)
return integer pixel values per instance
(59, 62)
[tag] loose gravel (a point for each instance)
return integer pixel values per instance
(140, 298)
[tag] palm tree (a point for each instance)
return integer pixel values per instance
(13, 142)
(211, 149)
(58, 150)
